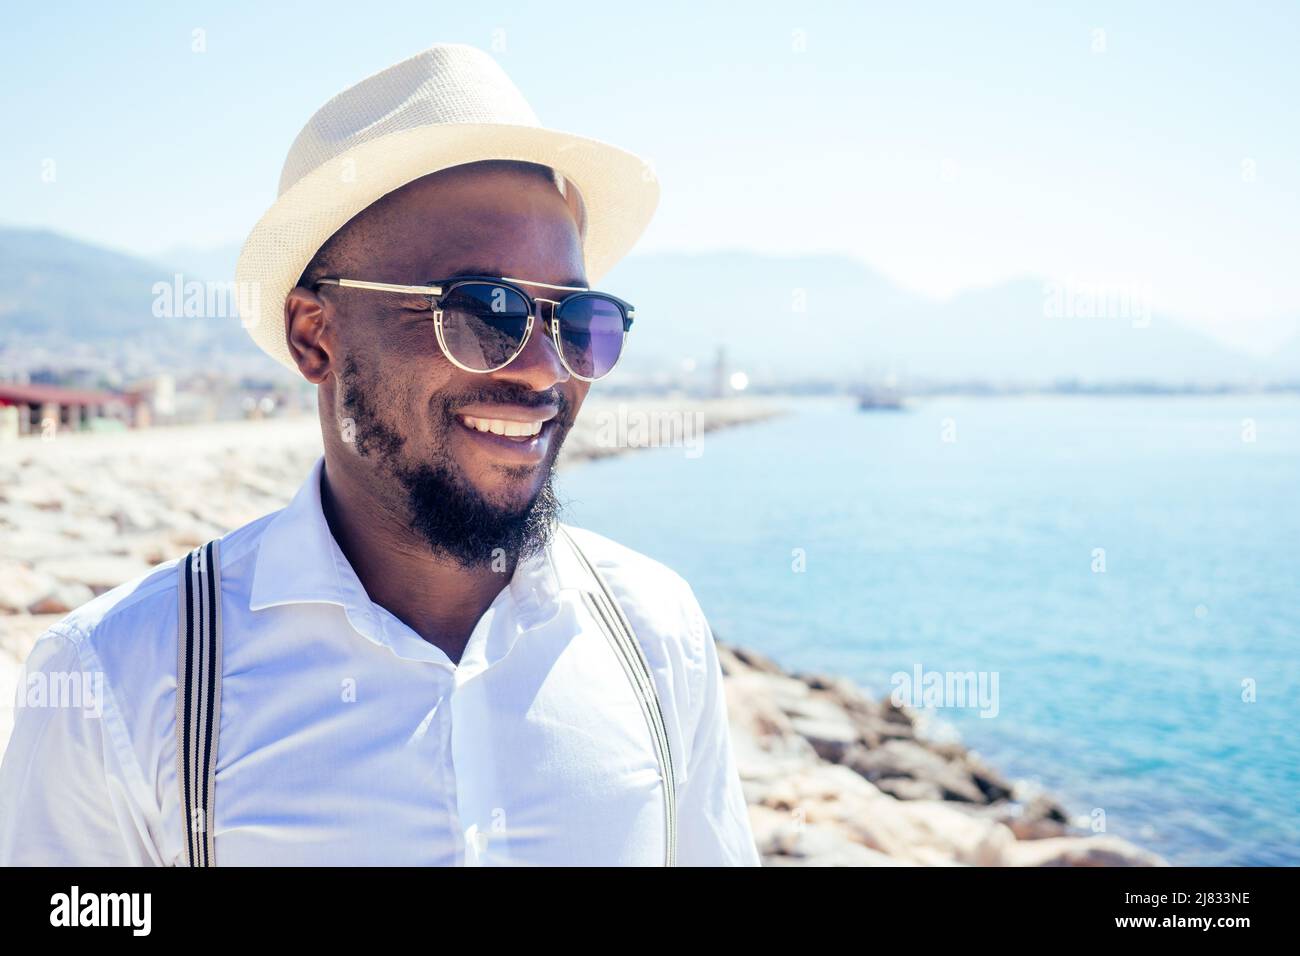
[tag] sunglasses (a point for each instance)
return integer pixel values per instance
(483, 323)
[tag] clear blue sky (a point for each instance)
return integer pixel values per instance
(947, 145)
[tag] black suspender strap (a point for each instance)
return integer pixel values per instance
(605, 608)
(198, 695)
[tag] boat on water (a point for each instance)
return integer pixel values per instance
(881, 400)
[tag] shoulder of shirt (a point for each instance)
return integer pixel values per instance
(659, 602)
(643, 576)
(147, 604)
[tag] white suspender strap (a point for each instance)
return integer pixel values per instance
(607, 611)
(198, 695)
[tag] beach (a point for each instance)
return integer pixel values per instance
(831, 775)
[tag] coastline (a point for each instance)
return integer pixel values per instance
(831, 776)
(835, 777)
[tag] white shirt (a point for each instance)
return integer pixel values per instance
(345, 738)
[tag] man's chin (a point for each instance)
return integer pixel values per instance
(472, 521)
(511, 496)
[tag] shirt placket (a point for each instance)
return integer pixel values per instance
(445, 787)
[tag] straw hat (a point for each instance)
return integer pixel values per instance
(449, 105)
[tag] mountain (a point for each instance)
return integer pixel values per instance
(778, 318)
(789, 317)
(64, 297)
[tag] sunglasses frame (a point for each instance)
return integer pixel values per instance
(437, 290)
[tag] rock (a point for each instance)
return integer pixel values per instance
(1031, 829)
(948, 750)
(903, 758)
(1040, 817)
(821, 721)
(130, 517)
(822, 682)
(36, 543)
(904, 788)
(891, 712)
(748, 660)
(20, 586)
(64, 597)
(937, 831)
(831, 739)
(820, 845)
(1080, 851)
(18, 632)
(99, 572)
(758, 725)
(992, 784)
(874, 731)
(1025, 823)
(44, 495)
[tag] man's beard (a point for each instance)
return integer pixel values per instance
(445, 509)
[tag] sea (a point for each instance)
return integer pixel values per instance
(1120, 576)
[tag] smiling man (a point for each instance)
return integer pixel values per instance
(414, 662)
(437, 501)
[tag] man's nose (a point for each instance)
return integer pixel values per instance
(538, 366)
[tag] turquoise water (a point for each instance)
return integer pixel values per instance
(1118, 690)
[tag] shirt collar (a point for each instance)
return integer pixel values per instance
(299, 562)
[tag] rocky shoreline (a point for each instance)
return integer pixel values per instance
(834, 777)
(831, 776)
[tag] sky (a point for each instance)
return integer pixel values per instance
(1146, 147)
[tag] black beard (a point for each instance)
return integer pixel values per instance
(459, 523)
(446, 510)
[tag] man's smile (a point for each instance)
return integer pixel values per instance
(516, 433)
(499, 426)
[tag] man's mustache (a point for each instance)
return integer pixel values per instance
(504, 394)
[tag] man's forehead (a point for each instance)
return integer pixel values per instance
(523, 244)
(490, 195)
(444, 226)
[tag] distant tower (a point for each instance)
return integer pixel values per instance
(720, 373)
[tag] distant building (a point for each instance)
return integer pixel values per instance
(49, 409)
(158, 394)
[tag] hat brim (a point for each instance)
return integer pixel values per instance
(619, 191)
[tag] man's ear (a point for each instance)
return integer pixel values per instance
(305, 326)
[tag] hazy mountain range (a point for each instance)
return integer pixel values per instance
(836, 314)
(67, 301)
(778, 319)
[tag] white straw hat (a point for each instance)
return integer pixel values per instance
(451, 104)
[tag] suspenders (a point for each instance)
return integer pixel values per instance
(605, 609)
(198, 695)
(198, 689)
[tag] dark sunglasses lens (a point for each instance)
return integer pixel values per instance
(483, 325)
(591, 334)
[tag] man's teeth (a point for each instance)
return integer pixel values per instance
(499, 427)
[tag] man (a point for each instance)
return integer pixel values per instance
(410, 671)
